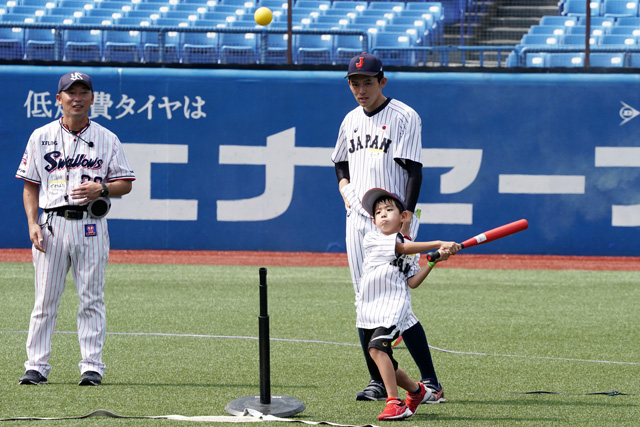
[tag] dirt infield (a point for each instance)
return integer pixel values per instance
(313, 259)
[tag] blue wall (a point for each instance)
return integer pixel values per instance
(240, 160)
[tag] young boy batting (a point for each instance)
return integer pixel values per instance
(384, 301)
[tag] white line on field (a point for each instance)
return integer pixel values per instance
(469, 353)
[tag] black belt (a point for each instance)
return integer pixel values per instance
(69, 212)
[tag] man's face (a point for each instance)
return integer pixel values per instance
(367, 91)
(76, 101)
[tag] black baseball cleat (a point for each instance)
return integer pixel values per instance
(32, 377)
(374, 391)
(90, 378)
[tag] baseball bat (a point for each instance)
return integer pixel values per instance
(488, 236)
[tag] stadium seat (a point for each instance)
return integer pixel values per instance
(314, 48)
(18, 17)
(151, 47)
(320, 5)
(238, 48)
(566, 60)
(620, 8)
(388, 47)
(57, 19)
(83, 45)
(634, 60)
(628, 21)
(94, 20)
(579, 39)
(122, 46)
(600, 21)
(555, 30)
(596, 31)
(566, 21)
(619, 40)
(537, 60)
(625, 30)
(540, 40)
(11, 43)
(386, 6)
(40, 44)
(579, 8)
(601, 59)
(276, 52)
(331, 21)
(346, 47)
(347, 5)
(200, 48)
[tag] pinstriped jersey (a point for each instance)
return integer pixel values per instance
(60, 161)
(372, 143)
(384, 298)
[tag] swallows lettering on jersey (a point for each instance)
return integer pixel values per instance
(55, 161)
(369, 142)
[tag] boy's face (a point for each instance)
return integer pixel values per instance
(387, 217)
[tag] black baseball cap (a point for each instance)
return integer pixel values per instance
(365, 64)
(70, 78)
(372, 196)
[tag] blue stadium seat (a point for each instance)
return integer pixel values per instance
(276, 52)
(566, 60)
(11, 43)
(348, 5)
(57, 19)
(619, 40)
(18, 17)
(200, 48)
(71, 11)
(386, 47)
(537, 60)
(634, 60)
(579, 39)
(40, 44)
(94, 20)
(566, 21)
(238, 48)
(540, 40)
(620, 8)
(579, 8)
(122, 46)
(314, 48)
(386, 6)
(553, 30)
(83, 45)
(600, 21)
(151, 47)
(312, 4)
(581, 29)
(331, 21)
(625, 30)
(610, 60)
(628, 21)
(346, 47)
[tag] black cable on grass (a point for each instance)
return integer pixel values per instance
(605, 393)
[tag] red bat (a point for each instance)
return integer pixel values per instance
(488, 236)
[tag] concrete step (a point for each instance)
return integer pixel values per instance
(526, 11)
(515, 22)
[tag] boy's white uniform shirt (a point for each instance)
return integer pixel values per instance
(384, 299)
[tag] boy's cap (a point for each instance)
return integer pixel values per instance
(366, 64)
(70, 78)
(371, 197)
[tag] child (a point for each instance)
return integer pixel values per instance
(384, 302)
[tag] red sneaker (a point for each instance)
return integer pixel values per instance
(394, 410)
(415, 399)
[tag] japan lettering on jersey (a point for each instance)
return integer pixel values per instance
(374, 143)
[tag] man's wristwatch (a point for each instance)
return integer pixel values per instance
(105, 191)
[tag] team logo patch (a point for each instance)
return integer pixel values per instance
(90, 230)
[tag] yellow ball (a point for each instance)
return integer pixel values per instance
(263, 16)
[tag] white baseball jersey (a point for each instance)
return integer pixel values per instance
(59, 161)
(373, 144)
(384, 299)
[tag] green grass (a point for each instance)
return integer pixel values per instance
(540, 330)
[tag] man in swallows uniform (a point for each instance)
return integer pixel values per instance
(70, 167)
